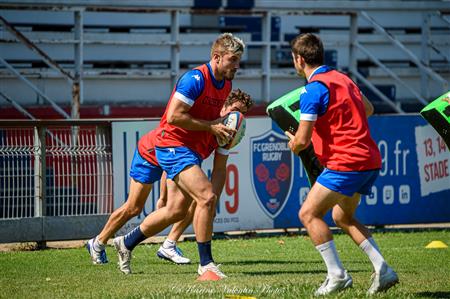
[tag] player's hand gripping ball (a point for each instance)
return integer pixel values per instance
(234, 120)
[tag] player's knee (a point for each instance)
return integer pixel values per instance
(208, 200)
(341, 220)
(160, 204)
(305, 216)
(338, 222)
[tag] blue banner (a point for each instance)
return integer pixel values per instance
(266, 183)
(414, 181)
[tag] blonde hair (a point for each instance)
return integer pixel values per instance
(227, 43)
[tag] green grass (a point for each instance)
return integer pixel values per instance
(274, 267)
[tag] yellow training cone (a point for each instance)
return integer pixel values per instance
(437, 244)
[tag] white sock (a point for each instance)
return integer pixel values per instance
(98, 246)
(371, 249)
(329, 254)
(169, 243)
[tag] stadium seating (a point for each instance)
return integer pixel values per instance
(127, 55)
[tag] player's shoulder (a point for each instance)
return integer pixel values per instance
(315, 87)
(194, 75)
(314, 91)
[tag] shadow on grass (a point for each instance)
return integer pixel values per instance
(269, 262)
(159, 273)
(281, 262)
(433, 294)
(271, 272)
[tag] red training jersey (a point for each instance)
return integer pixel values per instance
(206, 107)
(341, 136)
(146, 146)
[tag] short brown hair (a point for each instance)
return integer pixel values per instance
(310, 47)
(238, 95)
(227, 42)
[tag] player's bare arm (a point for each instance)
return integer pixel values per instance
(368, 107)
(178, 115)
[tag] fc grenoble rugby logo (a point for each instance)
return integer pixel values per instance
(272, 171)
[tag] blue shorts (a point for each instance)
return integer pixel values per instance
(348, 182)
(174, 159)
(144, 171)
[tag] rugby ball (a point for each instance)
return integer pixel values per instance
(234, 120)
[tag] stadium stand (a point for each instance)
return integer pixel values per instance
(128, 58)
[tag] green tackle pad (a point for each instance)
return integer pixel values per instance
(285, 112)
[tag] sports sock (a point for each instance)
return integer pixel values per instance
(371, 249)
(133, 238)
(98, 246)
(169, 244)
(329, 254)
(204, 250)
(374, 244)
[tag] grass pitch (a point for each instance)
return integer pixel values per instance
(274, 267)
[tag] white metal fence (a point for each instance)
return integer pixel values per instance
(17, 174)
(78, 172)
(57, 168)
